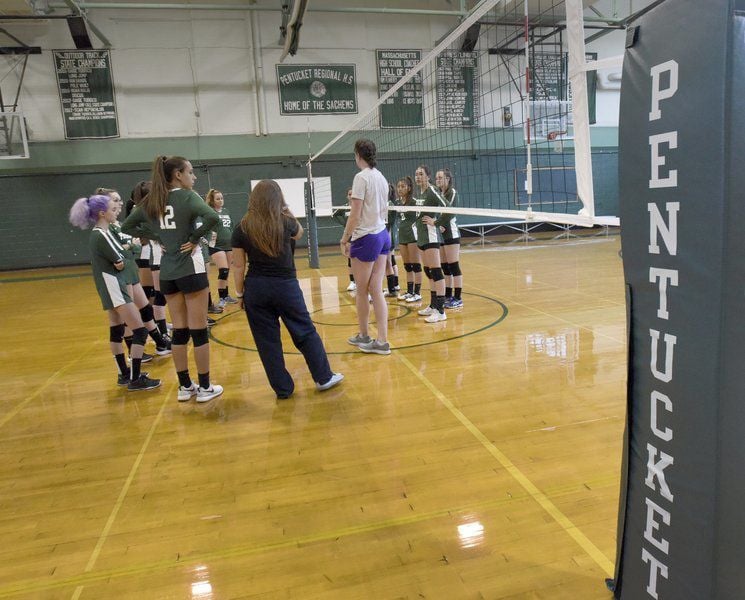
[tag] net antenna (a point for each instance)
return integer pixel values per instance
(494, 109)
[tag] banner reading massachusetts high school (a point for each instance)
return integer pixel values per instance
(681, 531)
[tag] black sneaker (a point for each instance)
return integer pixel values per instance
(210, 321)
(163, 350)
(143, 383)
(124, 379)
(146, 357)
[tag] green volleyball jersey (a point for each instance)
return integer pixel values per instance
(131, 272)
(429, 197)
(428, 234)
(220, 236)
(176, 227)
(110, 282)
(447, 221)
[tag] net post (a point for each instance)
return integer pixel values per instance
(310, 213)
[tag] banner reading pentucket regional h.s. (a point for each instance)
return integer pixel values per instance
(317, 89)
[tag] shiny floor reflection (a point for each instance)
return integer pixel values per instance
(435, 472)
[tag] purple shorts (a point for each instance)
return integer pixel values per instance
(370, 246)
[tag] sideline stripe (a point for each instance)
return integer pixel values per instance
(28, 586)
(44, 386)
(592, 550)
(44, 278)
(123, 494)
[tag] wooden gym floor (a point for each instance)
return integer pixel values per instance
(480, 460)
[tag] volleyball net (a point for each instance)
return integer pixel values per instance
(501, 102)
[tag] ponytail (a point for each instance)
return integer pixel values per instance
(84, 212)
(154, 204)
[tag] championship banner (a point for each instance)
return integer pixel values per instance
(458, 89)
(86, 91)
(681, 529)
(405, 108)
(317, 89)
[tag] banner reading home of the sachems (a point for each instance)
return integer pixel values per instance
(681, 533)
(86, 91)
(317, 89)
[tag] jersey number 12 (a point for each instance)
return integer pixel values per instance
(166, 221)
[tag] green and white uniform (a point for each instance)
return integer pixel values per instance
(428, 234)
(131, 271)
(392, 226)
(110, 283)
(407, 226)
(219, 238)
(176, 227)
(448, 221)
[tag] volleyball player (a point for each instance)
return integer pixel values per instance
(127, 247)
(219, 247)
(407, 242)
(450, 249)
(366, 241)
(340, 216)
(391, 225)
(108, 264)
(166, 215)
(429, 239)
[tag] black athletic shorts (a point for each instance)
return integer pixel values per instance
(185, 285)
(215, 250)
(428, 246)
(142, 263)
(450, 241)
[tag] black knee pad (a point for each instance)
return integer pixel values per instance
(455, 269)
(417, 267)
(116, 333)
(446, 268)
(409, 267)
(437, 274)
(139, 336)
(149, 291)
(428, 272)
(160, 299)
(180, 337)
(200, 337)
(146, 313)
(222, 274)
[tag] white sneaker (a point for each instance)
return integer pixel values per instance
(335, 378)
(436, 317)
(352, 286)
(185, 394)
(212, 392)
(221, 303)
(405, 296)
(414, 298)
(427, 311)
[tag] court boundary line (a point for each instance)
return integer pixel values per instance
(543, 501)
(123, 493)
(10, 415)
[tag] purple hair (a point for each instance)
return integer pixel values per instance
(84, 213)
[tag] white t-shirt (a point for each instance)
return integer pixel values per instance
(371, 187)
